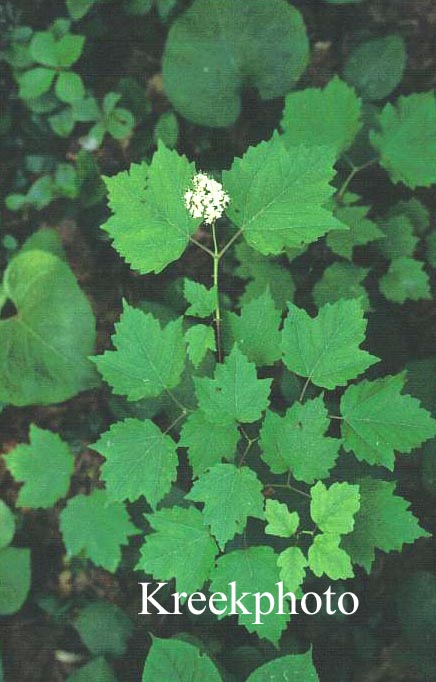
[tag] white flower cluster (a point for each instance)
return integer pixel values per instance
(206, 199)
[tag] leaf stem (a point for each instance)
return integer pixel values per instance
(229, 243)
(175, 422)
(352, 174)
(287, 486)
(304, 389)
(176, 401)
(202, 247)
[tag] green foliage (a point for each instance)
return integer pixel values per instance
(96, 528)
(140, 460)
(201, 299)
(248, 329)
(292, 566)
(104, 628)
(408, 125)
(341, 280)
(97, 670)
(208, 443)
(161, 358)
(172, 659)
(200, 338)
(230, 495)
(299, 666)
(361, 231)
(14, 579)
(325, 349)
(281, 521)
(333, 509)
(7, 525)
(376, 67)
(405, 279)
(379, 420)
(399, 239)
(44, 347)
(263, 273)
(327, 117)
(279, 195)
(326, 557)
(44, 467)
(204, 81)
(181, 547)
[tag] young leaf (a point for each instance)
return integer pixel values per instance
(93, 525)
(45, 467)
(281, 522)
(140, 460)
(14, 579)
(208, 443)
(181, 547)
(150, 226)
(383, 522)
(296, 666)
(104, 628)
(361, 232)
(69, 87)
(35, 82)
(148, 360)
(44, 348)
(333, 508)
(326, 557)
(407, 139)
(399, 237)
(235, 393)
(256, 330)
(292, 564)
(341, 280)
(378, 420)
(325, 349)
(278, 196)
(173, 659)
(405, 279)
(200, 338)
(204, 81)
(376, 67)
(255, 570)
(328, 117)
(201, 299)
(296, 442)
(230, 495)
(7, 525)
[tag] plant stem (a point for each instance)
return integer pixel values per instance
(229, 243)
(177, 402)
(287, 486)
(216, 261)
(202, 246)
(353, 173)
(304, 389)
(175, 422)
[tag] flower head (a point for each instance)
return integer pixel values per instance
(206, 199)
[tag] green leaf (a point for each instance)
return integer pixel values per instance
(405, 279)
(104, 628)
(376, 67)
(172, 659)
(296, 442)
(326, 557)
(140, 460)
(43, 48)
(292, 564)
(45, 467)
(151, 226)
(415, 211)
(203, 80)
(78, 8)
(69, 87)
(264, 273)
(97, 670)
(255, 570)
(278, 196)
(399, 237)
(14, 579)
(35, 82)
(208, 443)
(62, 123)
(328, 117)
(68, 49)
(93, 525)
(235, 393)
(201, 299)
(281, 522)
(44, 348)
(200, 338)
(148, 360)
(341, 280)
(120, 123)
(295, 667)
(167, 129)
(230, 495)
(379, 420)
(332, 509)
(325, 349)
(361, 232)
(181, 547)
(407, 140)
(256, 330)
(7, 525)
(383, 522)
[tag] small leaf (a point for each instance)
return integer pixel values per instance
(281, 522)
(376, 67)
(405, 279)
(294, 667)
(256, 330)
(292, 564)
(96, 670)
(202, 300)
(45, 467)
(69, 87)
(361, 232)
(333, 508)
(104, 628)
(341, 280)
(35, 82)
(326, 557)
(399, 238)
(173, 659)
(230, 495)
(200, 338)
(14, 579)
(208, 443)
(7, 525)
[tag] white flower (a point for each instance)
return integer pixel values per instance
(206, 199)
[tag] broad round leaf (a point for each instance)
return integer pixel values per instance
(214, 50)
(376, 67)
